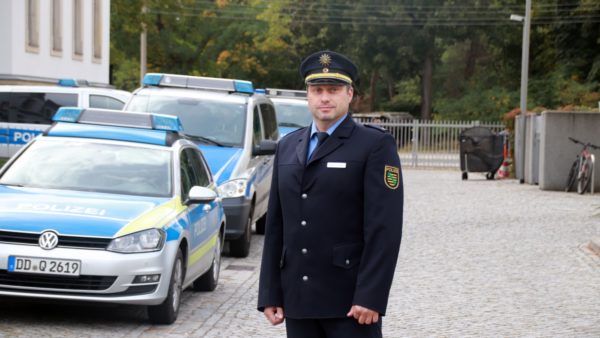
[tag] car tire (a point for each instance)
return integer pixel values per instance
(261, 225)
(240, 247)
(209, 280)
(167, 311)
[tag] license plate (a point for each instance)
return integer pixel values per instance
(47, 266)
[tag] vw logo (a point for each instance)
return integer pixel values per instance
(48, 240)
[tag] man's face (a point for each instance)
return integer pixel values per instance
(327, 102)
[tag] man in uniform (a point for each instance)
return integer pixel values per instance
(334, 221)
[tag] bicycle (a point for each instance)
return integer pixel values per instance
(582, 169)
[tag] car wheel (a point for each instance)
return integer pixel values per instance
(209, 280)
(240, 247)
(260, 225)
(166, 312)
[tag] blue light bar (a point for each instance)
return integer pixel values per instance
(166, 122)
(152, 79)
(286, 93)
(67, 83)
(243, 86)
(72, 83)
(118, 118)
(67, 114)
(260, 91)
(198, 82)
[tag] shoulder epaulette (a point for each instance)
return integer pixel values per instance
(295, 131)
(378, 128)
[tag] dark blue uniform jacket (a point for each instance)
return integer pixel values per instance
(334, 224)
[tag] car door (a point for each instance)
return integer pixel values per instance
(270, 132)
(203, 218)
(259, 162)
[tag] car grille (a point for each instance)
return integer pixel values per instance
(63, 241)
(83, 282)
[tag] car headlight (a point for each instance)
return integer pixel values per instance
(233, 188)
(143, 241)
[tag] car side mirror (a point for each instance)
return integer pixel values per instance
(200, 194)
(265, 147)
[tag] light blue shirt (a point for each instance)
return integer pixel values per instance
(313, 135)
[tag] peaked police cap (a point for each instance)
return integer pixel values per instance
(328, 67)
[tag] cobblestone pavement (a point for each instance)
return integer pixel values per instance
(478, 259)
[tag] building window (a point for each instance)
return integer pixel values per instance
(77, 29)
(97, 46)
(33, 26)
(56, 27)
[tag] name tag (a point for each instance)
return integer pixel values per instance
(336, 165)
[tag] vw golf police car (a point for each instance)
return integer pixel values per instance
(236, 130)
(109, 206)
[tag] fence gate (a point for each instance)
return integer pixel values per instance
(430, 144)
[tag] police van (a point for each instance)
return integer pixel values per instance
(235, 128)
(26, 111)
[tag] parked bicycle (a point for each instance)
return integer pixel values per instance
(582, 170)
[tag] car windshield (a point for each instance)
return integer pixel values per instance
(293, 114)
(218, 121)
(90, 166)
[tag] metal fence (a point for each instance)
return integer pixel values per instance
(430, 143)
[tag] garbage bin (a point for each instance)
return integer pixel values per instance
(481, 150)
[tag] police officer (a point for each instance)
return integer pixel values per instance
(334, 221)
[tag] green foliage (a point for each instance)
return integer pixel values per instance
(407, 99)
(475, 50)
(485, 105)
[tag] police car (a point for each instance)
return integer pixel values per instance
(236, 130)
(292, 109)
(26, 111)
(108, 206)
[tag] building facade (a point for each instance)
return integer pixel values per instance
(47, 40)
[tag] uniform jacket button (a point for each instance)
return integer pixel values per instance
(304, 196)
(304, 251)
(347, 261)
(305, 278)
(303, 223)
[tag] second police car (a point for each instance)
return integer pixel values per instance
(27, 110)
(236, 130)
(292, 109)
(108, 206)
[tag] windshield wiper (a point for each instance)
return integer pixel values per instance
(12, 185)
(203, 139)
(290, 124)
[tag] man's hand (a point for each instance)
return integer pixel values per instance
(363, 315)
(274, 314)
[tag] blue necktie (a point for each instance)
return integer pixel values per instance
(321, 137)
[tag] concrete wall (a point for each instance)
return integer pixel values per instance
(19, 63)
(557, 153)
(5, 36)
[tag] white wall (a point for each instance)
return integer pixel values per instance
(43, 64)
(5, 36)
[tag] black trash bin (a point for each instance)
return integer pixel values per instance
(481, 151)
